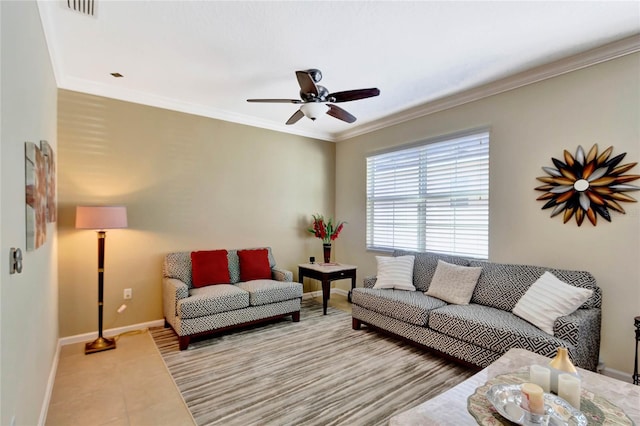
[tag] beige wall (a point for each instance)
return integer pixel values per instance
(196, 183)
(600, 104)
(28, 301)
(189, 183)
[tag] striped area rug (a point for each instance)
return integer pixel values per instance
(315, 372)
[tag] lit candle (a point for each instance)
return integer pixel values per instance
(569, 389)
(532, 398)
(541, 376)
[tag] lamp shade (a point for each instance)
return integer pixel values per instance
(101, 217)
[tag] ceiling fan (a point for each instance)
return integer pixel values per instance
(317, 100)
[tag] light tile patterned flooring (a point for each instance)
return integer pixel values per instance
(123, 387)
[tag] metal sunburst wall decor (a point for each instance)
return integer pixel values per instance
(587, 185)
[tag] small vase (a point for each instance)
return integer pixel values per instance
(326, 248)
(561, 364)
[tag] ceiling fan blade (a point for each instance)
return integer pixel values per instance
(279, 101)
(307, 85)
(352, 95)
(340, 114)
(295, 117)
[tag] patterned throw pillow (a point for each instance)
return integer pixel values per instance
(209, 267)
(548, 299)
(453, 283)
(254, 264)
(425, 264)
(395, 272)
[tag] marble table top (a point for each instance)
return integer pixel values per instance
(450, 407)
(327, 267)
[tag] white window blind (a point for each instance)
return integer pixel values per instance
(431, 197)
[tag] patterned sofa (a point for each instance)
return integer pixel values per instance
(480, 332)
(196, 311)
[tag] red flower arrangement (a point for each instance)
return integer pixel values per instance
(326, 230)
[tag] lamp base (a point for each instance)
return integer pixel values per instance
(99, 345)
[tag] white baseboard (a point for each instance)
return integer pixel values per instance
(48, 391)
(88, 337)
(617, 374)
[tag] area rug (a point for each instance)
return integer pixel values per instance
(315, 372)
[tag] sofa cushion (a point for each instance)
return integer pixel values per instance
(209, 267)
(425, 264)
(502, 285)
(395, 272)
(212, 299)
(263, 292)
(254, 265)
(409, 306)
(453, 283)
(234, 263)
(548, 299)
(492, 329)
(178, 265)
(582, 279)
(233, 318)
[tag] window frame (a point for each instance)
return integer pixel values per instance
(482, 136)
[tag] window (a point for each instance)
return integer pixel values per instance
(431, 197)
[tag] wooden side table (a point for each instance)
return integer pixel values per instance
(326, 274)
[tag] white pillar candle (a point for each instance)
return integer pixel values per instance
(569, 389)
(541, 376)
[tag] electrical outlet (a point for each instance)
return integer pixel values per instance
(128, 293)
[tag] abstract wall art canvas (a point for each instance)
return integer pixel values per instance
(36, 196)
(50, 180)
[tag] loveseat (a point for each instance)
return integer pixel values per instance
(207, 292)
(481, 331)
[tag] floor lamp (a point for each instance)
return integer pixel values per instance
(100, 218)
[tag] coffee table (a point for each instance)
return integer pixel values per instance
(326, 274)
(450, 407)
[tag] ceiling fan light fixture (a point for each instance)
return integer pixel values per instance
(314, 110)
(314, 98)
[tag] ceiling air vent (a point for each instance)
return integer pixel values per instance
(86, 7)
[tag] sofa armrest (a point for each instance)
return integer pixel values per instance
(369, 282)
(281, 274)
(172, 290)
(582, 330)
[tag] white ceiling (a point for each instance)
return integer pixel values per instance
(208, 57)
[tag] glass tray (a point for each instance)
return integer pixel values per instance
(506, 399)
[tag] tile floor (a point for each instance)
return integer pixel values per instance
(127, 386)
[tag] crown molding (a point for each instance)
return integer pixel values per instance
(576, 62)
(144, 98)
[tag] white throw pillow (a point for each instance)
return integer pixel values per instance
(454, 283)
(548, 299)
(395, 272)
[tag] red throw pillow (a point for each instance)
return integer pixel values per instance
(209, 267)
(254, 265)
